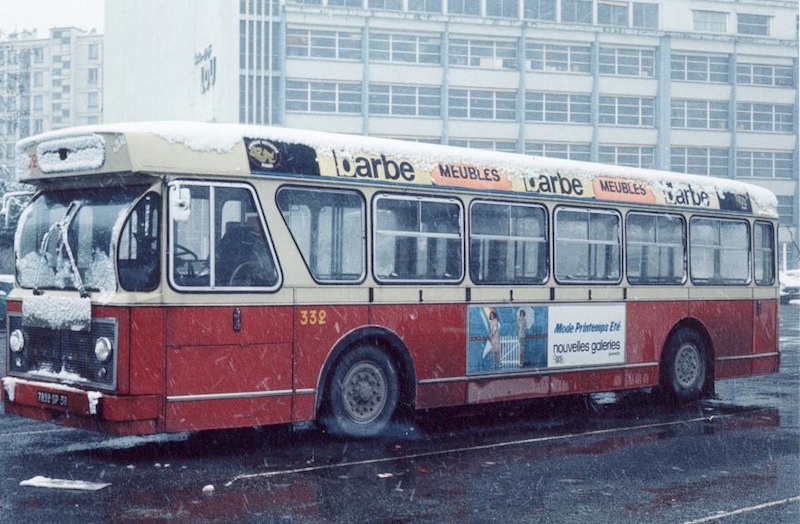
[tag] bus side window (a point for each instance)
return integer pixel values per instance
(221, 242)
(418, 239)
(242, 254)
(508, 244)
(328, 227)
(764, 259)
(720, 251)
(656, 249)
(139, 259)
(588, 245)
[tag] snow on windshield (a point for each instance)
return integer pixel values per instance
(67, 238)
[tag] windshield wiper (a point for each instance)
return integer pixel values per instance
(62, 226)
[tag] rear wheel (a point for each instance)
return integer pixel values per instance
(362, 395)
(683, 369)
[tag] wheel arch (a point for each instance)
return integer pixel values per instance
(387, 341)
(698, 327)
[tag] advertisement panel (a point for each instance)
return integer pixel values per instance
(507, 338)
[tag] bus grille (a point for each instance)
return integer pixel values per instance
(65, 356)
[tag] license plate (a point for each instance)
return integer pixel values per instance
(52, 399)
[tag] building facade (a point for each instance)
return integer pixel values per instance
(697, 86)
(47, 83)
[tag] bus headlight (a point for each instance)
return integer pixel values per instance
(16, 341)
(102, 349)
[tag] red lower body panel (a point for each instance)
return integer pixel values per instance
(80, 409)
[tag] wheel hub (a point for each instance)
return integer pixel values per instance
(365, 392)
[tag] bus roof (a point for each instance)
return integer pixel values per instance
(236, 150)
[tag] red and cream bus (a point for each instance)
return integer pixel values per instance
(176, 276)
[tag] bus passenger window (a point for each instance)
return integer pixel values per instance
(656, 249)
(764, 242)
(508, 244)
(242, 254)
(587, 246)
(720, 251)
(329, 229)
(418, 240)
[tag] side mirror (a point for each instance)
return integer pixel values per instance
(180, 199)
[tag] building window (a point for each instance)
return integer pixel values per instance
(94, 51)
(626, 111)
(386, 5)
(38, 79)
(764, 164)
(612, 13)
(700, 68)
(464, 7)
(38, 103)
(307, 43)
(38, 55)
(621, 61)
(786, 211)
(576, 11)
(323, 97)
(558, 107)
(502, 8)
(505, 146)
(569, 151)
(699, 114)
(93, 76)
(358, 4)
(645, 16)
(769, 118)
(558, 58)
(700, 160)
(405, 48)
(633, 156)
(540, 10)
(401, 100)
(490, 54)
(765, 75)
(752, 24)
(483, 104)
(93, 100)
(710, 21)
(425, 6)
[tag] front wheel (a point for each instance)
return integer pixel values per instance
(362, 395)
(683, 371)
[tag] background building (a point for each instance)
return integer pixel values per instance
(698, 86)
(47, 83)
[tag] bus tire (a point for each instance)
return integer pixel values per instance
(683, 367)
(362, 395)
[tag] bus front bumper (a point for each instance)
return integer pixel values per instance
(78, 408)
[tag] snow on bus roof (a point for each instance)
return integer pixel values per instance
(223, 138)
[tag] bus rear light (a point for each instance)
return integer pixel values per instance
(16, 341)
(103, 348)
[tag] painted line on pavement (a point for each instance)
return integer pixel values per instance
(741, 511)
(308, 469)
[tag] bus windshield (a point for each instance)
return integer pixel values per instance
(67, 238)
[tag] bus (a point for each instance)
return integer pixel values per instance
(177, 277)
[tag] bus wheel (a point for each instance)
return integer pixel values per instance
(363, 394)
(683, 367)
